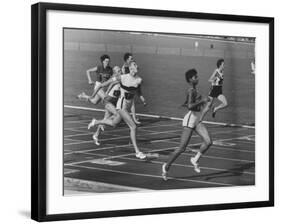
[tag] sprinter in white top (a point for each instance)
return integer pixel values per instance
(129, 84)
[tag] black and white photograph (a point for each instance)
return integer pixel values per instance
(157, 111)
(140, 112)
(137, 111)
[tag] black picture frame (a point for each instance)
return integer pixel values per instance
(39, 109)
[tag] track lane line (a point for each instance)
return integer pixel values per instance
(125, 156)
(153, 176)
(140, 136)
(128, 145)
(124, 129)
(102, 184)
(164, 117)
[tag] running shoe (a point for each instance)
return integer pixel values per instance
(81, 96)
(140, 155)
(96, 140)
(195, 164)
(92, 123)
(164, 172)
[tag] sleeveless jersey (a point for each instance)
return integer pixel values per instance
(103, 74)
(195, 97)
(218, 79)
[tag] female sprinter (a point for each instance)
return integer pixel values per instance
(128, 58)
(191, 122)
(103, 72)
(110, 99)
(129, 84)
(216, 80)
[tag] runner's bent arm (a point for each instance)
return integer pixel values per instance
(111, 86)
(212, 78)
(139, 93)
(114, 80)
(88, 72)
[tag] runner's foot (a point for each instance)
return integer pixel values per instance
(96, 140)
(92, 123)
(164, 172)
(195, 164)
(140, 155)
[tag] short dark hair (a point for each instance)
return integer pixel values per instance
(219, 62)
(103, 57)
(126, 56)
(189, 74)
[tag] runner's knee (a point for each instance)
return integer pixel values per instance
(208, 142)
(133, 126)
(93, 101)
(181, 149)
(115, 120)
(225, 104)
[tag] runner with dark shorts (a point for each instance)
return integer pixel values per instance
(216, 80)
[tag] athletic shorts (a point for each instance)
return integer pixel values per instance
(97, 84)
(215, 91)
(110, 99)
(191, 119)
(123, 104)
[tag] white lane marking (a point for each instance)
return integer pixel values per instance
(124, 129)
(156, 150)
(125, 156)
(70, 139)
(142, 135)
(98, 149)
(153, 176)
(153, 132)
(76, 130)
(95, 184)
(164, 117)
(195, 144)
(107, 162)
(213, 146)
(242, 141)
(78, 121)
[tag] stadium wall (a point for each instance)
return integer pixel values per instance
(162, 61)
(160, 44)
(137, 49)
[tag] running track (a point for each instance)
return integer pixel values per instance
(112, 166)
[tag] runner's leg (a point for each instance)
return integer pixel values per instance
(223, 104)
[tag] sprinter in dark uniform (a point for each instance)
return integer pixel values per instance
(102, 72)
(110, 99)
(216, 81)
(191, 122)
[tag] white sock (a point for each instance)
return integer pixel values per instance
(197, 156)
